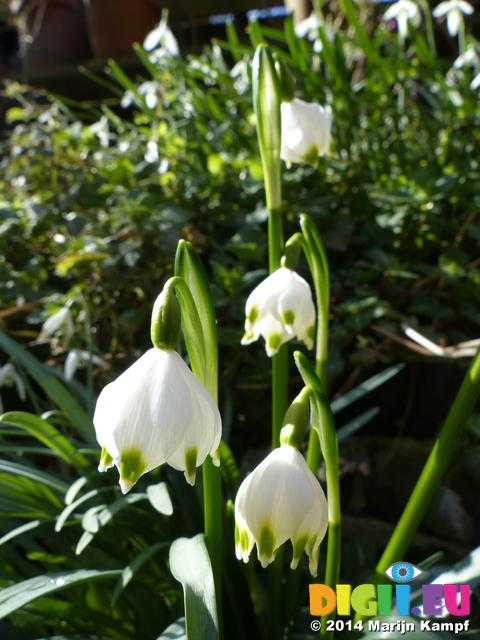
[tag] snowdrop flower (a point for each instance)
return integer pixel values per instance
(309, 27)
(101, 130)
(156, 412)
(128, 99)
(281, 499)
(163, 38)
(151, 91)
(61, 320)
(454, 9)
(306, 132)
(9, 377)
(280, 308)
(469, 58)
(78, 357)
(402, 11)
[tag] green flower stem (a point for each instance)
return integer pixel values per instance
(323, 423)
(433, 471)
(266, 103)
(429, 26)
(462, 47)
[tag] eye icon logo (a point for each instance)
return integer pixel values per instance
(402, 572)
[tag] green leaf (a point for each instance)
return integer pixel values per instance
(70, 508)
(19, 595)
(160, 499)
(365, 387)
(97, 517)
(34, 474)
(189, 267)
(23, 529)
(49, 435)
(133, 567)
(74, 489)
(357, 423)
(69, 261)
(52, 387)
(190, 565)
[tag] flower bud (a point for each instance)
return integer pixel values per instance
(166, 319)
(296, 420)
(285, 79)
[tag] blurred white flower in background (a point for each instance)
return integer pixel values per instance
(161, 41)
(454, 10)
(151, 92)
(306, 131)
(101, 130)
(61, 320)
(9, 377)
(403, 11)
(77, 358)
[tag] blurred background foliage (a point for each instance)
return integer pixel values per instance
(90, 217)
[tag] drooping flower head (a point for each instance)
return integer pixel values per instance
(454, 10)
(280, 500)
(61, 320)
(157, 411)
(402, 11)
(280, 308)
(306, 131)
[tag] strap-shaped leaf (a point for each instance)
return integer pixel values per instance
(49, 435)
(190, 565)
(134, 566)
(19, 595)
(52, 387)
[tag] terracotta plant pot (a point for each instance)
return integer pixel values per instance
(114, 25)
(53, 33)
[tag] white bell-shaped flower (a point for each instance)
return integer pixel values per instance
(402, 11)
(156, 412)
(280, 308)
(62, 320)
(454, 10)
(306, 131)
(280, 500)
(77, 358)
(9, 376)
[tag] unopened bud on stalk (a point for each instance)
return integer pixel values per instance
(296, 420)
(166, 319)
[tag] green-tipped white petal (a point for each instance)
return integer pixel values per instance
(280, 499)
(156, 412)
(306, 131)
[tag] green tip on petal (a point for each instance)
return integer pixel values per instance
(288, 318)
(298, 549)
(266, 546)
(274, 341)
(311, 332)
(252, 314)
(311, 157)
(191, 465)
(132, 467)
(106, 460)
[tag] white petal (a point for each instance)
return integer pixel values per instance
(305, 128)
(441, 9)
(279, 496)
(71, 363)
(305, 26)
(465, 7)
(148, 408)
(153, 38)
(475, 83)
(171, 44)
(454, 19)
(205, 429)
(244, 540)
